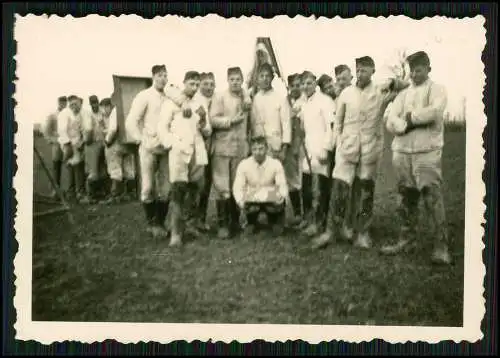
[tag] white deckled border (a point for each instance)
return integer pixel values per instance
(474, 302)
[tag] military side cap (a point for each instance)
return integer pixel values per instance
(365, 61)
(418, 58)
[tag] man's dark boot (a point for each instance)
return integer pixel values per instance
(115, 192)
(234, 217)
(179, 193)
(91, 197)
(130, 189)
(336, 214)
(325, 185)
(161, 214)
(434, 205)
(307, 195)
(222, 219)
(351, 210)
(408, 215)
(365, 217)
(296, 207)
(150, 213)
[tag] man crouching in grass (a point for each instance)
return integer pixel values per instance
(260, 187)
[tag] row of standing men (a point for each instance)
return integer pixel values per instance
(329, 143)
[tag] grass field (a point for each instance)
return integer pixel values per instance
(106, 268)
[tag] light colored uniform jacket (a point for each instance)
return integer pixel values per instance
(206, 103)
(426, 103)
(358, 124)
(49, 128)
(228, 140)
(70, 131)
(142, 121)
(181, 135)
(317, 116)
(259, 183)
(270, 117)
(94, 125)
(297, 126)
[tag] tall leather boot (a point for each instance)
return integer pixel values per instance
(325, 187)
(318, 203)
(115, 192)
(434, 207)
(408, 217)
(306, 195)
(91, 190)
(130, 189)
(162, 207)
(351, 210)
(336, 214)
(234, 217)
(150, 214)
(222, 219)
(365, 216)
(179, 192)
(296, 207)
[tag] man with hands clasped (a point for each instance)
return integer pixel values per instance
(260, 187)
(416, 120)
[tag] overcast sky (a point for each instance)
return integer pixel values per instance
(62, 56)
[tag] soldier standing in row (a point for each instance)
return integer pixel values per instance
(359, 132)
(230, 145)
(416, 119)
(119, 159)
(70, 137)
(94, 133)
(318, 115)
(183, 136)
(295, 153)
(142, 125)
(204, 96)
(270, 115)
(49, 131)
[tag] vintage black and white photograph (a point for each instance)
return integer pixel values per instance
(249, 178)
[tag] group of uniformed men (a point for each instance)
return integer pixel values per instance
(317, 150)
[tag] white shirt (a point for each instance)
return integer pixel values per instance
(69, 127)
(256, 182)
(318, 116)
(144, 115)
(271, 118)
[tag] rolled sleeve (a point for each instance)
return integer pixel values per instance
(239, 185)
(286, 124)
(434, 111)
(63, 128)
(217, 118)
(166, 117)
(112, 127)
(135, 115)
(281, 180)
(395, 113)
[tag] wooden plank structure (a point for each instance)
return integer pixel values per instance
(125, 90)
